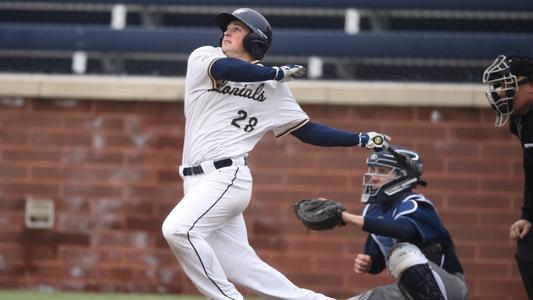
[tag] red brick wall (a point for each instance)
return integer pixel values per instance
(110, 169)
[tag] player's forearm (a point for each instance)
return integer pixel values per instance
(401, 229)
(378, 261)
(234, 69)
(325, 136)
(349, 218)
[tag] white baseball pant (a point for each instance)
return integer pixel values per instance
(207, 233)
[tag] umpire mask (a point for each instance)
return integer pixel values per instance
(502, 88)
(501, 79)
(385, 177)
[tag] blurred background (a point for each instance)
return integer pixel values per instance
(91, 129)
(439, 41)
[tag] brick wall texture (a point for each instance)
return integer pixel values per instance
(110, 168)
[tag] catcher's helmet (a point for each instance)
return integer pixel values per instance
(501, 78)
(394, 178)
(259, 39)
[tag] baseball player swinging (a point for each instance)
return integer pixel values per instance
(231, 102)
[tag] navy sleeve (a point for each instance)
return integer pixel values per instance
(401, 229)
(523, 129)
(322, 135)
(237, 70)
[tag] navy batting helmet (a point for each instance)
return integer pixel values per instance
(259, 39)
(386, 177)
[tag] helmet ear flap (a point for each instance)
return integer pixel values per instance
(255, 45)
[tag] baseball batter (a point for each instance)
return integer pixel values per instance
(231, 102)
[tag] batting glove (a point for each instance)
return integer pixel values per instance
(288, 72)
(374, 140)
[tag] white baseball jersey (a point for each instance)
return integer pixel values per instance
(226, 119)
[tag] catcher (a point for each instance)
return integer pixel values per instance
(405, 234)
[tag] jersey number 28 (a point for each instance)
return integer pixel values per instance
(252, 121)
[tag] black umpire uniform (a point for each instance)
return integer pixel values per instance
(510, 93)
(522, 127)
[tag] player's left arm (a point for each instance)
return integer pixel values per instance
(322, 135)
(401, 229)
(237, 70)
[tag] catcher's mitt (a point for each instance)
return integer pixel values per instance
(319, 214)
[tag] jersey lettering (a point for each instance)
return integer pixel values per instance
(257, 94)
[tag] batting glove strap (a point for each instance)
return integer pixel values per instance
(363, 139)
(279, 74)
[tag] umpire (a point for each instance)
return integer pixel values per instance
(510, 93)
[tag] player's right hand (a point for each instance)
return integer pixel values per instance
(374, 140)
(289, 72)
(362, 263)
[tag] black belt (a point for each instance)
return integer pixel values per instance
(197, 170)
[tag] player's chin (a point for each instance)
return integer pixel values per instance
(226, 47)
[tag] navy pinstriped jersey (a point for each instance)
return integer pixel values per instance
(522, 127)
(422, 214)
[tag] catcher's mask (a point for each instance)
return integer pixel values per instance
(386, 177)
(501, 79)
(258, 41)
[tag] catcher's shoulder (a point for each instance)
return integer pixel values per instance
(415, 197)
